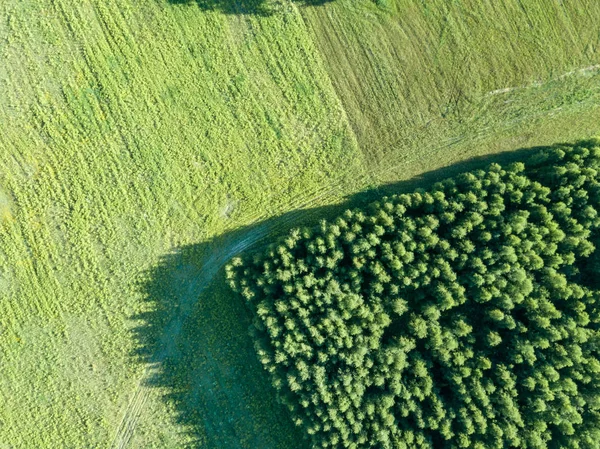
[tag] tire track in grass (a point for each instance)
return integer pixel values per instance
(580, 71)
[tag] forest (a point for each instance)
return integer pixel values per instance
(465, 315)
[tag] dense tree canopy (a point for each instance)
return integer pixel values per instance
(464, 316)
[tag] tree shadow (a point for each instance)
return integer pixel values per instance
(194, 332)
(250, 7)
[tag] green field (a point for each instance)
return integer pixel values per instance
(146, 142)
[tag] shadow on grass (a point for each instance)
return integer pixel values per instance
(251, 7)
(195, 331)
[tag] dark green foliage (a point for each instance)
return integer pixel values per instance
(466, 316)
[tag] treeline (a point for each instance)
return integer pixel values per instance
(464, 316)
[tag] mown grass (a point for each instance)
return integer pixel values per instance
(463, 73)
(138, 135)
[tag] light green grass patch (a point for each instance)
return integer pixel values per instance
(128, 129)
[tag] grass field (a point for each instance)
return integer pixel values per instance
(459, 71)
(144, 143)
